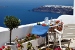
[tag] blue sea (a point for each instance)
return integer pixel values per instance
(19, 8)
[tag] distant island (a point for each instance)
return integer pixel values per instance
(55, 9)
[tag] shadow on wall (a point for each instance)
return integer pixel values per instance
(20, 32)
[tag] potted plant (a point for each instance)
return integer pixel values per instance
(7, 48)
(16, 40)
(22, 40)
(3, 47)
(29, 36)
(11, 22)
(26, 38)
(29, 45)
(57, 48)
(33, 36)
(20, 46)
(0, 48)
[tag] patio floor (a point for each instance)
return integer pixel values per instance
(69, 33)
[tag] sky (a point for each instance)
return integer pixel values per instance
(62, 2)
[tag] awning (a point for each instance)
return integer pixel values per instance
(40, 30)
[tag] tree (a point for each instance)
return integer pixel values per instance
(11, 22)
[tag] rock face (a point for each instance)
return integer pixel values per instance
(55, 9)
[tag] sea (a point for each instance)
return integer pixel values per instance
(20, 9)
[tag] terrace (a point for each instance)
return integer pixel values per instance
(23, 30)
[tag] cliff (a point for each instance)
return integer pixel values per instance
(55, 9)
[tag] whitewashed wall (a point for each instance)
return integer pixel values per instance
(67, 19)
(20, 32)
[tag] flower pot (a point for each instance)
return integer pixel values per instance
(8, 43)
(13, 45)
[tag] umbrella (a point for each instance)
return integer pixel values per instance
(40, 31)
